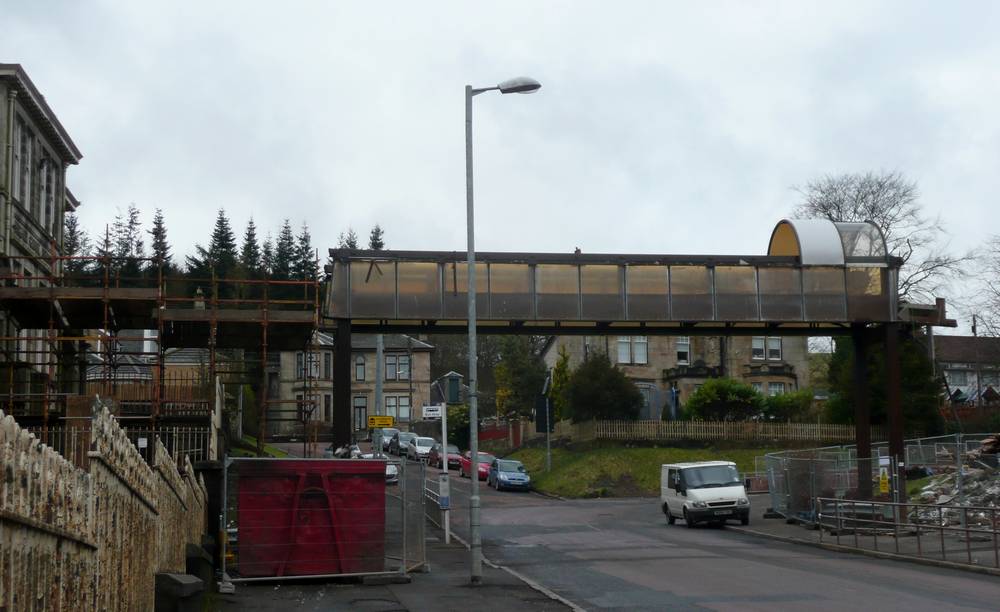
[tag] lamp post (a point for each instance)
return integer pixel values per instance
(515, 85)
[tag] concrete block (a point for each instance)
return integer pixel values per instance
(179, 593)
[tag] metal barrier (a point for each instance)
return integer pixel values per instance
(941, 531)
(72, 440)
(318, 518)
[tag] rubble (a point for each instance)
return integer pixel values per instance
(980, 487)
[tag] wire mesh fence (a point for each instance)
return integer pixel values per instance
(796, 478)
(300, 518)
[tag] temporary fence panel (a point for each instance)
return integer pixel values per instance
(290, 518)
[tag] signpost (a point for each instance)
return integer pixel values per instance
(433, 411)
(377, 421)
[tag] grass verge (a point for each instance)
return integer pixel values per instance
(247, 447)
(615, 471)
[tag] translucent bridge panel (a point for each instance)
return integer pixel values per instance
(419, 290)
(735, 293)
(861, 240)
(647, 293)
(601, 286)
(510, 291)
(338, 295)
(558, 291)
(373, 289)
(867, 295)
(824, 294)
(691, 293)
(456, 287)
(780, 294)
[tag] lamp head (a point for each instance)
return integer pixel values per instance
(519, 85)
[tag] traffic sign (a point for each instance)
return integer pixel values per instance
(380, 420)
(883, 480)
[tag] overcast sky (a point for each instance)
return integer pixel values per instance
(660, 127)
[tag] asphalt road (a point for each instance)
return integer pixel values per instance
(621, 554)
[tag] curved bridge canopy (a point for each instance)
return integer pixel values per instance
(817, 276)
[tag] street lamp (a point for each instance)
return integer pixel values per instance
(515, 85)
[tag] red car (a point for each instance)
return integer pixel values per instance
(436, 456)
(465, 465)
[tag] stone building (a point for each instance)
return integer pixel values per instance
(668, 369)
(295, 377)
(35, 152)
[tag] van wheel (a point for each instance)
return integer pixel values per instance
(671, 519)
(687, 519)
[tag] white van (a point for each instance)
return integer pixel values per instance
(705, 491)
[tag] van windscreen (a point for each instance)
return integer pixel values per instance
(711, 476)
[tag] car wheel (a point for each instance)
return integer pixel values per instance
(687, 519)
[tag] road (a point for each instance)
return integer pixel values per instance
(620, 554)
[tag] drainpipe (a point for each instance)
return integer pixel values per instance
(8, 171)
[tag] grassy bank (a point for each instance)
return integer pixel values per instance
(617, 471)
(247, 447)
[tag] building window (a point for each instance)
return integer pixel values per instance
(404, 407)
(404, 367)
(769, 348)
(624, 350)
(683, 350)
(299, 407)
(759, 388)
(328, 407)
(360, 412)
(775, 388)
(327, 365)
(958, 378)
(359, 368)
(774, 348)
(390, 406)
(990, 379)
(633, 350)
(391, 367)
(300, 369)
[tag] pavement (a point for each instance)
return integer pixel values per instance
(444, 587)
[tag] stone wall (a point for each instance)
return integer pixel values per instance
(83, 540)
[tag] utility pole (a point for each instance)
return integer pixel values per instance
(975, 348)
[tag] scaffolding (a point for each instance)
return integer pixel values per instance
(108, 327)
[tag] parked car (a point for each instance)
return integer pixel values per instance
(391, 471)
(342, 452)
(419, 448)
(465, 465)
(709, 491)
(508, 474)
(436, 456)
(387, 434)
(400, 442)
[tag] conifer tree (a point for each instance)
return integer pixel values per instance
(284, 253)
(76, 243)
(376, 240)
(348, 240)
(305, 267)
(160, 245)
(267, 256)
(250, 256)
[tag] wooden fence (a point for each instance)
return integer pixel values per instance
(743, 431)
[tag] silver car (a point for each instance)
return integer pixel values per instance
(391, 471)
(419, 448)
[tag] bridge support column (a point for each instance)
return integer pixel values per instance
(342, 383)
(894, 405)
(862, 410)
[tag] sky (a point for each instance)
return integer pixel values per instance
(661, 127)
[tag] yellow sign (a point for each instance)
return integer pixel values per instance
(378, 420)
(883, 480)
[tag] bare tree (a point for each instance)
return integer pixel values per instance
(985, 301)
(890, 201)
